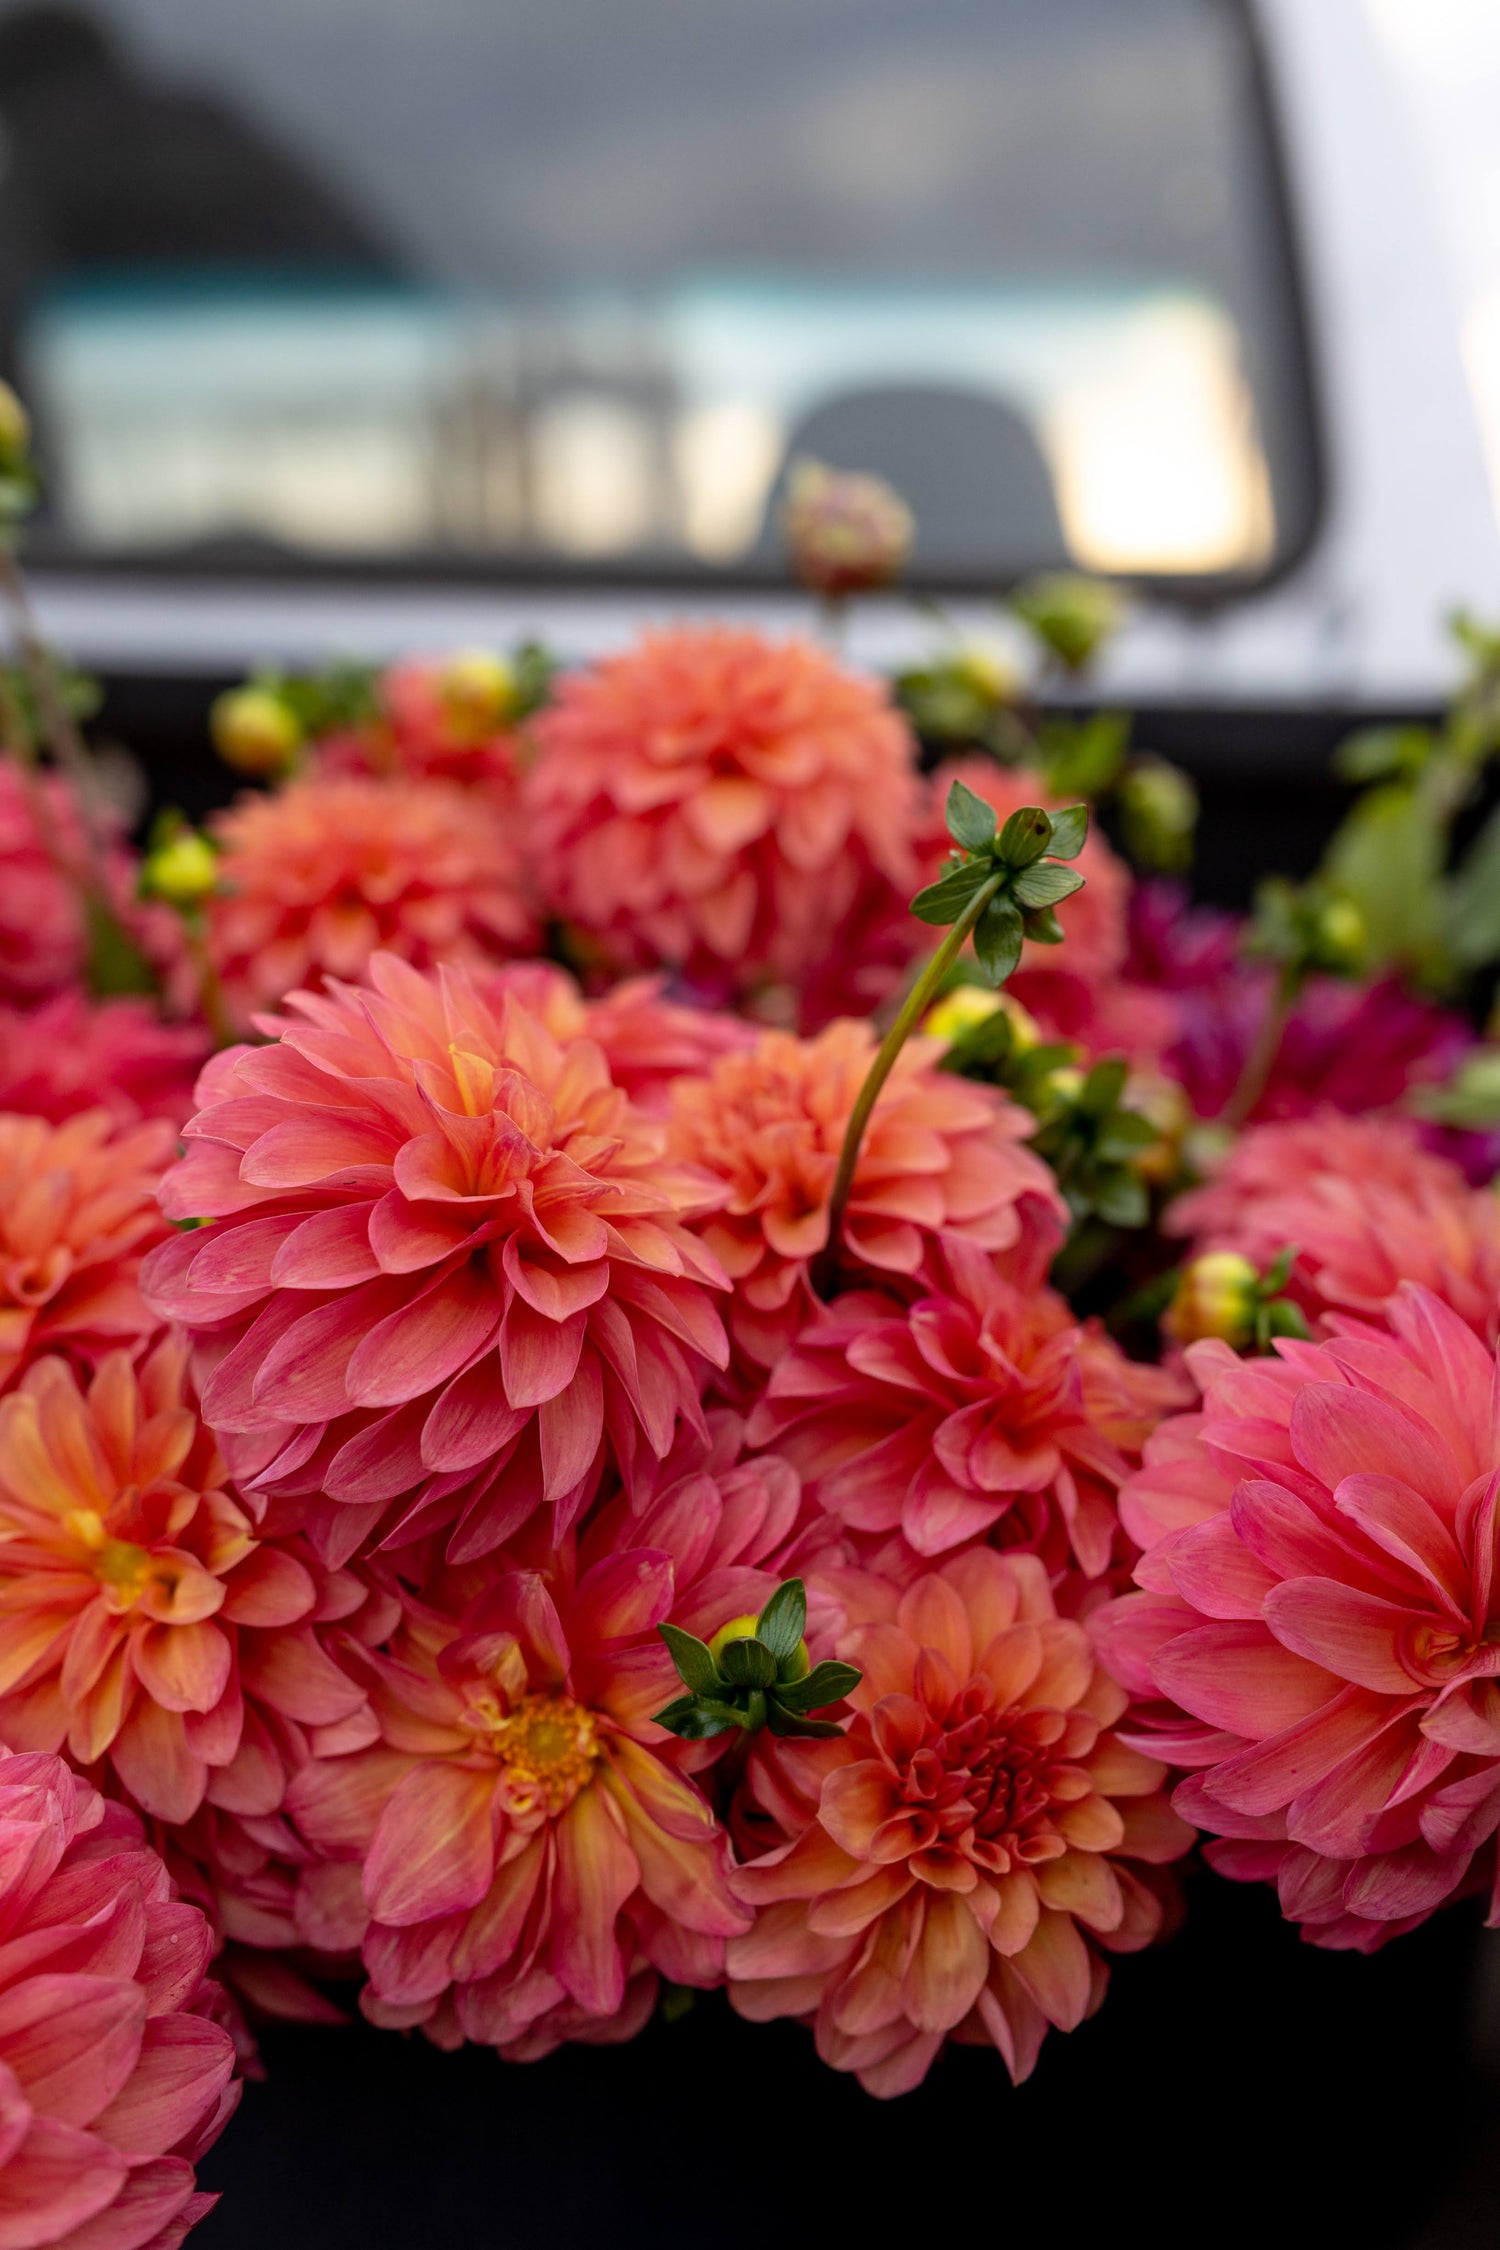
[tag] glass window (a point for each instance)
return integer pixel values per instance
(567, 282)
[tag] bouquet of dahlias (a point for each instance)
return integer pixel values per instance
(681, 1338)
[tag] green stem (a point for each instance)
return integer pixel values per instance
(1261, 1060)
(913, 1008)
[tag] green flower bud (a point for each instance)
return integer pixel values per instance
(478, 693)
(183, 870)
(1073, 617)
(15, 434)
(1219, 1296)
(256, 732)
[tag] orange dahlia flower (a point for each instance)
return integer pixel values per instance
(942, 1162)
(78, 1213)
(142, 1623)
(446, 1273)
(961, 1861)
(318, 876)
(982, 1412)
(1365, 1207)
(523, 1837)
(721, 804)
(115, 2077)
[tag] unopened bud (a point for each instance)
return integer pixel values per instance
(989, 674)
(15, 434)
(1073, 617)
(793, 1667)
(478, 693)
(183, 870)
(256, 732)
(1341, 936)
(1219, 1296)
(969, 1005)
(845, 534)
(1158, 808)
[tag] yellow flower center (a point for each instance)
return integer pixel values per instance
(548, 1747)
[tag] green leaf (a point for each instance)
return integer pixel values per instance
(828, 1682)
(1045, 884)
(945, 900)
(1025, 836)
(1070, 829)
(1120, 1197)
(747, 1663)
(971, 822)
(1471, 904)
(1388, 857)
(1103, 1086)
(695, 1665)
(783, 1621)
(997, 940)
(1125, 1134)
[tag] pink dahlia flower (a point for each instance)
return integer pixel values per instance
(721, 805)
(113, 2077)
(45, 872)
(78, 1212)
(960, 1862)
(142, 1623)
(72, 1053)
(648, 1039)
(446, 1272)
(317, 877)
(942, 1162)
(522, 1839)
(1320, 1619)
(1365, 1208)
(983, 1412)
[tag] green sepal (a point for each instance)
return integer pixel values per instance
(971, 822)
(783, 1621)
(747, 1664)
(1070, 829)
(698, 1719)
(945, 900)
(784, 1722)
(828, 1682)
(997, 940)
(1042, 926)
(692, 1657)
(1045, 884)
(1025, 836)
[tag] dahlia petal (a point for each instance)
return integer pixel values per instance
(1233, 1674)
(433, 1851)
(330, 1149)
(622, 1594)
(152, 1758)
(1053, 1967)
(185, 2064)
(538, 1357)
(570, 1427)
(1335, 1813)
(57, 2181)
(302, 1377)
(153, 2210)
(1279, 1767)
(556, 1292)
(1403, 1523)
(680, 1876)
(1411, 1881)
(492, 1932)
(813, 1863)
(420, 1346)
(948, 1967)
(472, 1421)
(1353, 1634)
(72, 2041)
(1211, 1567)
(1338, 1432)
(596, 1873)
(933, 1613)
(327, 1250)
(1083, 1884)
(414, 1965)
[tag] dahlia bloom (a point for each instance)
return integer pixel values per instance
(648, 1039)
(723, 805)
(317, 877)
(432, 727)
(142, 1623)
(952, 1866)
(1320, 1619)
(1364, 1206)
(114, 2077)
(1350, 1047)
(72, 1053)
(446, 1272)
(522, 1840)
(78, 1213)
(942, 1161)
(981, 1412)
(45, 870)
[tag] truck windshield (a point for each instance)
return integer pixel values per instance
(551, 284)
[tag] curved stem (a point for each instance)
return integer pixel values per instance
(1261, 1060)
(913, 1008)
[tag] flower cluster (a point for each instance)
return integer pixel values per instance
(626, 1445)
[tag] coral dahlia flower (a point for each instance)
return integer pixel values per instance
(958, 1863)
(78, 1212)
(522, 1837)
(142, 1623)
(317, 877)
(1320, 1618)
(72, 1053)
(981, 1412)
(446, 1271)
(113, 2076)
(942, 1161)
(1364, 1206)
(722, 805)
